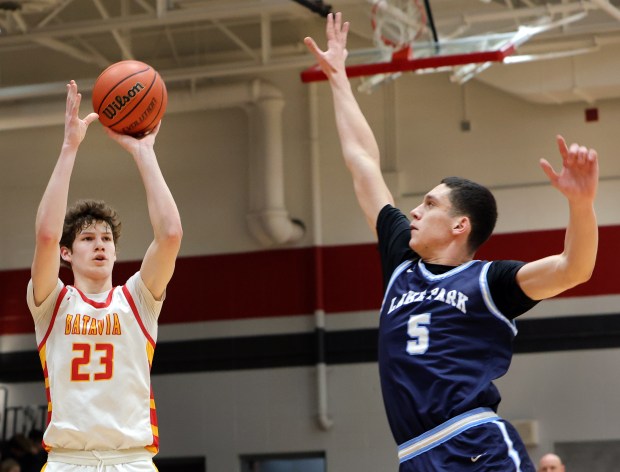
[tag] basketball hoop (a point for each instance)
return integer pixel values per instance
(397, 23)
(398, 26)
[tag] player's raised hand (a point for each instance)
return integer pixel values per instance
(578, 178)
(133, 144)
(75, 128)
(332, 60)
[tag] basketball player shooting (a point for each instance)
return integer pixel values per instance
(447, 320)
(95, 341)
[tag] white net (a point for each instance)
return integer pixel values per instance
(398, 23)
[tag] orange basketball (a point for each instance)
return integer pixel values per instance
(130, 98)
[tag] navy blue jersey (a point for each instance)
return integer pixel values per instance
(441, 344)
(442, 338)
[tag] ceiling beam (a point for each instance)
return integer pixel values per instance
(235, 39)
(71, 51)
(122, 44)
(231, 10)
(182, 75)
(54, 13)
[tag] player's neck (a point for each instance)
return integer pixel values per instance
(446, 261)
(88, 285)
(452, 256)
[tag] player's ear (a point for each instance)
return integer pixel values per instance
(462, 225)
(65, 254)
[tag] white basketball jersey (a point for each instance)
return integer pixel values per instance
(96, 358)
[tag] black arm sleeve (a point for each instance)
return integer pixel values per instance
(394, 234)
(505, 291)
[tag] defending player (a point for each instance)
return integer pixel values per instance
(446, 325)
(96, 341)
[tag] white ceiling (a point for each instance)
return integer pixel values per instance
(46, 42)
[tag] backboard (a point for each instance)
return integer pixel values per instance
(402, 43)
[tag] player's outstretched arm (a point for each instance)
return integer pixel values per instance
(51, 213)
(158, 263)
(578, 182)
(359, 147)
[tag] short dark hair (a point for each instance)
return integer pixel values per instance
(84, 213)
(477, 203)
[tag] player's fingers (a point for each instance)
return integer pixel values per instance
(593, 164)
(592, 156)
(73, 102)
(71, 93)
(582, 155)
(69, 105)
(338, 21)
(345, 28)
(573, 153)
(312, 46)
(562, 145)
(90, 118)
(342, 36)
(548, 170)
(329, 26)
(339, 28)
(155, 130)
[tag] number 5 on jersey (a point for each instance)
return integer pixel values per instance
(418, 332)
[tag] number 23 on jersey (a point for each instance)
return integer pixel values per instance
(92, 362)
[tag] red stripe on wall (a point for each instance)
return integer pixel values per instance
(538, 244)
(282, 282)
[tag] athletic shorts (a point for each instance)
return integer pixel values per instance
(140, 466)
(490, 447)
(126, 460)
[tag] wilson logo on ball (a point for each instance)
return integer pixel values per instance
(119, 102)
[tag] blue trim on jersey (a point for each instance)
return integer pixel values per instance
(512, 453)
(425, 272)
(446, 431)
(430, 276)
(488, 300)
(484, 286)
(399, 270)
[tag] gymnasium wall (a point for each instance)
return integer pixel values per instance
(235, 351)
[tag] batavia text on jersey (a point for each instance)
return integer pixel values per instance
(87, 325)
